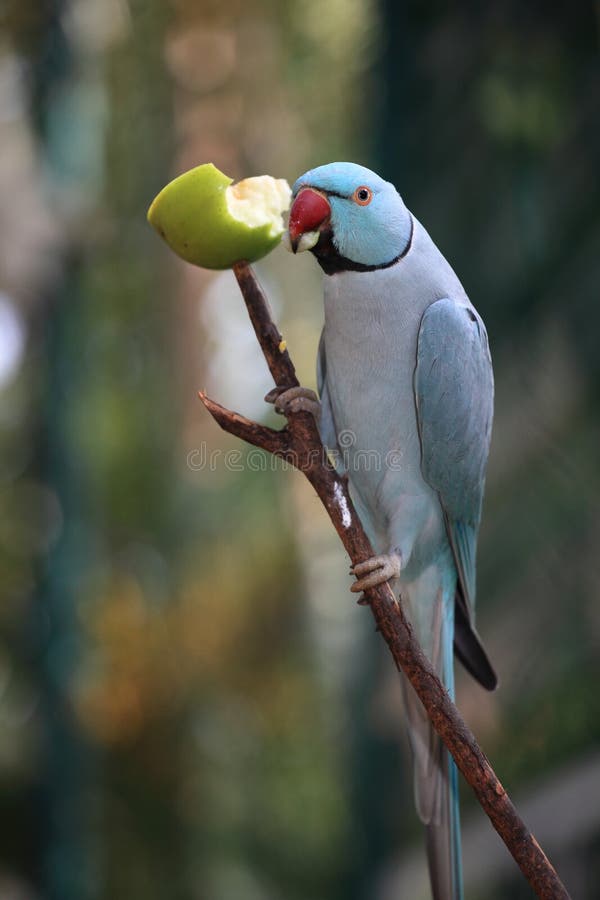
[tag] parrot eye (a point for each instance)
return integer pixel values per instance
(363, 196)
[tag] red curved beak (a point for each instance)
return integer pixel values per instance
(309, 211)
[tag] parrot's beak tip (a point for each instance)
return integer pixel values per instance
(291, 245)
(305, 241)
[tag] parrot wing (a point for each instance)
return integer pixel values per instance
(327, 427)
(454, 395)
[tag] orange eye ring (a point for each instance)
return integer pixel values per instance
(362, 195)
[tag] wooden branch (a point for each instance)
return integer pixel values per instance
(301, 444)
(275, 442)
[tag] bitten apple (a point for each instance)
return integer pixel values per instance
(211, 222)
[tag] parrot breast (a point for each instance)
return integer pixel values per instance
(372, 322)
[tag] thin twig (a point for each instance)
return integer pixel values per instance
(300, 443)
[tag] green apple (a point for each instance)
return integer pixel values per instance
(211, 222)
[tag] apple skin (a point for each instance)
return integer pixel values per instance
(191, 215)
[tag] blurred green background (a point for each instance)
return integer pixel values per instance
(191, 705)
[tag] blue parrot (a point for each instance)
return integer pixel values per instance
(405, 377)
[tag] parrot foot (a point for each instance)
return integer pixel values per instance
(374, 571)
(295, 399)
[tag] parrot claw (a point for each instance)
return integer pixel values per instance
(273, 394)
(374, 571)
(295, 399)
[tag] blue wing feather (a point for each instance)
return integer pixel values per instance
(327, 425)
(454, 395)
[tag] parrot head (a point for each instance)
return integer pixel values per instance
(349, 217)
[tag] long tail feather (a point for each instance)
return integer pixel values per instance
(435, 774)
(443, 841)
